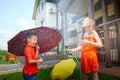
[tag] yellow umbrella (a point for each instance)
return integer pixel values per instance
(63, 69)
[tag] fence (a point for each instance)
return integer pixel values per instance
(113, 36)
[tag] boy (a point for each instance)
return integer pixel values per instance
(31, 51)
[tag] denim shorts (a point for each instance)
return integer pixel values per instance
(27, 77)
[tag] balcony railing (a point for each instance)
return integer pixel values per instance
(112, 29)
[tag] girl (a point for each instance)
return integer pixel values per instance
(90, 40)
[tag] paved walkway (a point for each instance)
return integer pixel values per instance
(111, 71)
(49, 60)
(11, 68)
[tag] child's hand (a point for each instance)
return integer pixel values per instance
(40, 60)
(85, 41)
(37, 47)
(72, 50)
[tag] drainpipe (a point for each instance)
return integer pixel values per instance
(57, 23)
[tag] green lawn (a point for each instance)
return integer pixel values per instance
(44, 74)
(2, 56)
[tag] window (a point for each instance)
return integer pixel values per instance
(42, 6)
(41, 23)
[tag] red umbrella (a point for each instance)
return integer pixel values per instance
(47, 39)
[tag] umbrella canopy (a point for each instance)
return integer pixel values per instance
(63, 69)
(47, 39)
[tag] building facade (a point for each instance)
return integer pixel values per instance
(44, 13)
(67, 16)
(72, 13)
(106, 13)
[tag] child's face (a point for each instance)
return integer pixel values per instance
(32, 40)
(85, 25)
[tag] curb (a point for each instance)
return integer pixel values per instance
(10, 71)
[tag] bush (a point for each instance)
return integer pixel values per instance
(3, 58)
(2, 55)
(3, 52)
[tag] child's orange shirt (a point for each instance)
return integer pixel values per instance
(30, 54)
(89, 61)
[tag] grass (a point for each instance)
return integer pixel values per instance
(13, 76)
(3, 52)
(44, 74)
(2, 56)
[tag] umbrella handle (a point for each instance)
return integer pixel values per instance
(75, 57)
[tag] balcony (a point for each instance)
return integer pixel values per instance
(111, 42)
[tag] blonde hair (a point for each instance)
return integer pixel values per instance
(90, 22)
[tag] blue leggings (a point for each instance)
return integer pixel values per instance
(27, 77)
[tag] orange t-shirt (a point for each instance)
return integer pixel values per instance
(30, 54)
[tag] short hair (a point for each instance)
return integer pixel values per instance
(29, 34)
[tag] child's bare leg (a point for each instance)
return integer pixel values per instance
(85, 76)
(95, 76)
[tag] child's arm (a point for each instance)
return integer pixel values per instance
(98, 42)
(37, 52)
(35, 61)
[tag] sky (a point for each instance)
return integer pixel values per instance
(15, 15)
